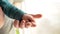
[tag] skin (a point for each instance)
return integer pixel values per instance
(28, 21)
(1, 18)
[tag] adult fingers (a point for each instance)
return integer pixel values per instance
(22, 24)
(37, 15)
(28, 24)
(33, 24)
(16, 23)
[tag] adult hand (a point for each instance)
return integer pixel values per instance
(27, 21)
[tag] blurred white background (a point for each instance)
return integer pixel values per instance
(50, 21)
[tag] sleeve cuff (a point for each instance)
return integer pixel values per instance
(19, 15)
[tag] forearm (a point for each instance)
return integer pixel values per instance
(11, 10)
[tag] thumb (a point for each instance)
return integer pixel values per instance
(37, 15)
